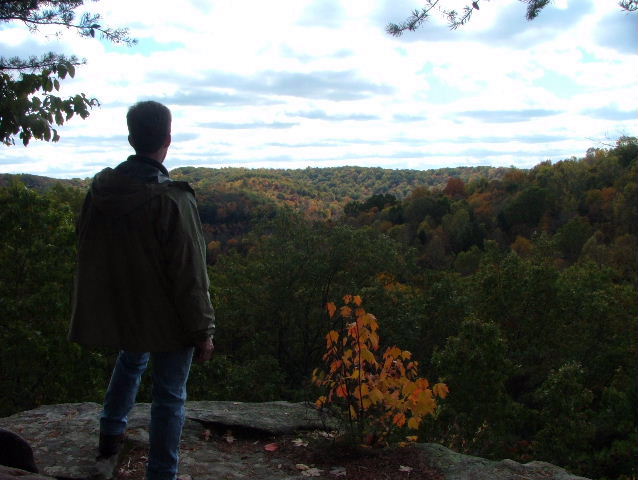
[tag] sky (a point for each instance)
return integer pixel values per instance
(318, 83)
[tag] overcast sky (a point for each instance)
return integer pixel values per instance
(298, 83)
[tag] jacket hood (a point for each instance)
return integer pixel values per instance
(117, 194)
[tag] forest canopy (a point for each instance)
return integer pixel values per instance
(524, 279)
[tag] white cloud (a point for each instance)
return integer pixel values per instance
(306, 82)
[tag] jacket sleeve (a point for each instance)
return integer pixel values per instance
(185, 256)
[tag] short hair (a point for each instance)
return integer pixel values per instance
(149, 123)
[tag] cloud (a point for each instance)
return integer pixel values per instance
(246, 126)
(507, 116)
(205, 97)
(611, 113)
(322, 144)
(19, 45)
(323, 13)
(512, 26)
(184, 137)
(144, 46)
(539, 138)
(338, 117)
(618, 31)
(327, 85)
(95, 141)
(406, 118)
(15, 161)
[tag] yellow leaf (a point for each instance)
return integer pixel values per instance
(414, 423)
(374, 341)
(441, 390)
(408, 388)
(357, 300)
(346, 311)
(392, 352)
(425, 404)
(372, 321)
(368, 356)
(375, 395)
(353, 412)
(412, 438)
(347, 299)
(331, 338)
(332, 308)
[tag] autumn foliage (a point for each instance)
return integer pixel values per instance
(375, 396)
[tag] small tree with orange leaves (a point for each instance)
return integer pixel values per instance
(374, 396)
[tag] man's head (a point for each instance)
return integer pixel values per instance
(149, 127)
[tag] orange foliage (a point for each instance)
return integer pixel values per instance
(455, 188)
(375, 395)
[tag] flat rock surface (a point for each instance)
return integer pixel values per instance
(456, 466)
(222, 441)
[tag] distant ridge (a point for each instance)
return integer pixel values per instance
(40, 183)
(284, 186)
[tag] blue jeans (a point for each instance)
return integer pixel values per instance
(170, 373)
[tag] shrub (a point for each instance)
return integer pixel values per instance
(373, 397)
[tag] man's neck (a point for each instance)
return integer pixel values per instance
(158, 156)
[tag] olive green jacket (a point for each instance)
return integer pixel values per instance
(141, 282)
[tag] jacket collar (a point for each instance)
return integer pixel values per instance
(144, 168)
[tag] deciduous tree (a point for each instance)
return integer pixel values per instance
(29, 104)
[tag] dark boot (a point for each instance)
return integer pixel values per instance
(110, 445)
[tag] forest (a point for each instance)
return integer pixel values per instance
(517, 288)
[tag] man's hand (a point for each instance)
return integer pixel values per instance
(204, 350)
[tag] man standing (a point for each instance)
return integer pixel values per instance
(141, 286)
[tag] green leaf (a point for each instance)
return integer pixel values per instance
(56, 84)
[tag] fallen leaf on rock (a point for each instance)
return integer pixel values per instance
(229, 437)
(338, 472)
(403, 468)
(301, 466)
(207, 435)
(298, 442)
(271, 447)
(311, 472)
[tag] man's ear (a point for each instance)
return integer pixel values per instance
(130, 141)
(167, 142)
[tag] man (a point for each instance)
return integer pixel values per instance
(141, 286)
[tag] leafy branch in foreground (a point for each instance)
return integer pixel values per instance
(28, 115)
(374, 397)
(28, 106)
